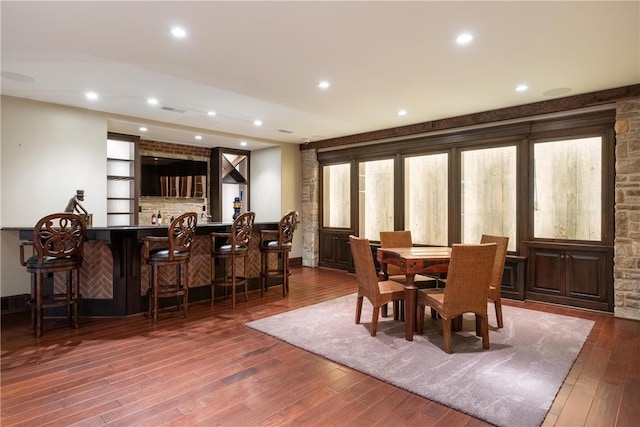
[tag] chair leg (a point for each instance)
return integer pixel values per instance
(185, 286)
(456, 323)
(420, 318)
(38, 305)
(264, 269)
(498, 306)
(285, 273)
(244, 277)
(374, 321)
(76, 300)
(358, 308)
(233, 283)
(154, 282)
(212, 278)
(446, 332)
(485, 331)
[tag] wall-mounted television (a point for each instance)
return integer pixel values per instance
(166, 177)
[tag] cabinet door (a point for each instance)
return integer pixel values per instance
(586, 275)
(328, 248)
(547, 273)
(334, 250)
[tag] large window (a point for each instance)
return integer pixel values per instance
(426, 198)
(336, 196)
(567, 200)
(375, 195)
(489, 194)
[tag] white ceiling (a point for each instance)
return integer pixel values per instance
(263, 60)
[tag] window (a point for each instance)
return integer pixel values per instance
(375, 197)
(426, 198)
(567, 200)
(489, 194)
(336, 196)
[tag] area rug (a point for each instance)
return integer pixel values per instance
(512, 384)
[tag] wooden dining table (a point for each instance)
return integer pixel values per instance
(412, 260)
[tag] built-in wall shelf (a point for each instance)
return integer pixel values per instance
(121, 188)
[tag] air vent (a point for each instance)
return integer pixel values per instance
(173, 109)
(285, 131)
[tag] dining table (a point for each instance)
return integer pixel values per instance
(411, 260)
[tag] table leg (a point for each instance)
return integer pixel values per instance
(410, 297)
(383, 275)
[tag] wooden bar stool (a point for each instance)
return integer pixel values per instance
(277, 242)
(58, 241)
(176, 251)
(234, 248)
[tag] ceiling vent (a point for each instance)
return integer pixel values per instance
(173, 109)
(285, 131)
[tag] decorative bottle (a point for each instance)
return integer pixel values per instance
(237, 205)
(153, 219)
(159, 218)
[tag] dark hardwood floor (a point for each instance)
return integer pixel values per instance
(210, 370)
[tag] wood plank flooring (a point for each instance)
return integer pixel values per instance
(211, 370)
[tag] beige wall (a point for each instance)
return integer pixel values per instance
(49, 151)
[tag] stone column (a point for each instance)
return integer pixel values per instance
(626, 270)
(310, 208)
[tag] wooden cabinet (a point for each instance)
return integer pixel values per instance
(334, 249)
(576, 275)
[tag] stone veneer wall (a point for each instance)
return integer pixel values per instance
(626, 270)
(171, 206)
(310, 215)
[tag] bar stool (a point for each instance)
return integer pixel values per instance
(235, 247)
(175, 252)
(58, 241)
(277, 242)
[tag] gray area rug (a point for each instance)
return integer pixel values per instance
(512, 384)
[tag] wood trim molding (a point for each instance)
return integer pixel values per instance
(510, 113)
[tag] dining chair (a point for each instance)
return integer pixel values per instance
(277, 242)
(467, 290)
(233, 249)
(495, 283)
(377, 292)
(57, 243)
(174, 249)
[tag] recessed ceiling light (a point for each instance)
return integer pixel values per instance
(522, 88)
(143, 129)
(257, 122)
(178, 32)
(91, 95)
(211, 113)
(464, 38)
(198, 137)
(243, 143)
(152, 101)
(324, 84)
(402, 112)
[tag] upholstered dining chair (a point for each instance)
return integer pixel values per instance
(467, 290)
(234, 248)
(57, 243)
(495, 284)
(277, 242)
(174, 250)
(378, 293)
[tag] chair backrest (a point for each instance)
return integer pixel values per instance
(59, 235)
(365, 268)
(395, 239)
(286, 228)
(182, 231)
(470, 270)
(242, 229)
(501, 256)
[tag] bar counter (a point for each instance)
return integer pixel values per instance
(114, 278)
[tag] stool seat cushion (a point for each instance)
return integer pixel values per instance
(51, 262)
(164, 254)
(272, 244)
(227, 248)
